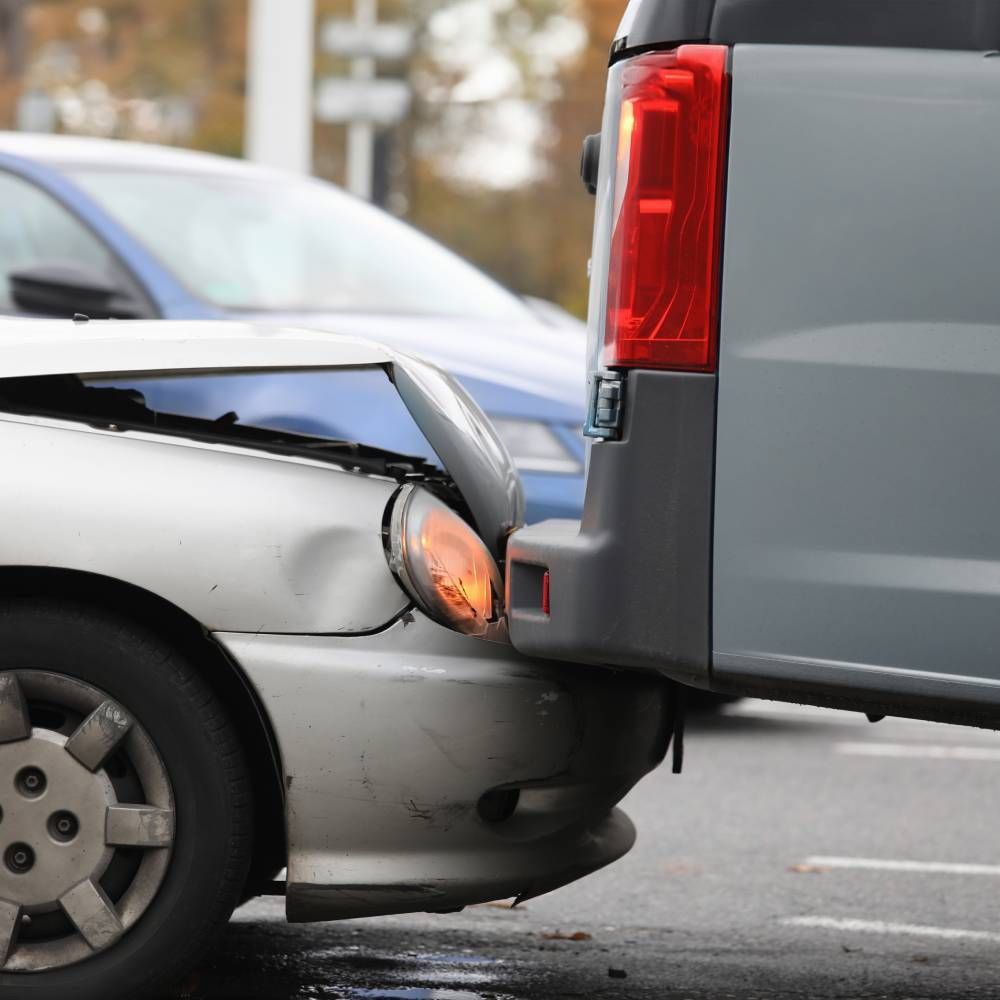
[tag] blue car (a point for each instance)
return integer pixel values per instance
(121, 229)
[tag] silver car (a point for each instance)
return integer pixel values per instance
(226, 650)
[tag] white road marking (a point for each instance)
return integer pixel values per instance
(892, 865)
(887, 927)
(942, 731)
(925, 751)
(751, 708)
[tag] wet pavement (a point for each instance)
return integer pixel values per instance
(802, 854)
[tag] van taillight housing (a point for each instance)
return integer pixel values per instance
(666, 239)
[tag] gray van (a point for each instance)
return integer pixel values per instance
(793, 483)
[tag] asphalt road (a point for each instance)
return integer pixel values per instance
(803, 853)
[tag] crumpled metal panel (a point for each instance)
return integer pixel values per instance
(449, 418)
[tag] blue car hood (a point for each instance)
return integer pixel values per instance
(525, 370)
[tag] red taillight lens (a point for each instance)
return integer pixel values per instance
(666, 241)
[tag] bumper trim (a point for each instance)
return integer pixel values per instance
(523, 873)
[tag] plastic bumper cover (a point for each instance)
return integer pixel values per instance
(629, 585)
(390, 743)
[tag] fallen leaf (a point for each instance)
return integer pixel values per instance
(679, 868)
(563, 936)
(922, 959)
(808, 869)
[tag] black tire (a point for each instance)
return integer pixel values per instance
(203, 759)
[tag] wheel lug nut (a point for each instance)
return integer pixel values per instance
(63, 826)
(31, 782)
(19, 858)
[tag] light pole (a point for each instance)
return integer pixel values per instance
(279, 111)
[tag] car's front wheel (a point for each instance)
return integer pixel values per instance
(124, 831)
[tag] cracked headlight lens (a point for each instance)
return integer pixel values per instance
(443, 564)
(535, 447)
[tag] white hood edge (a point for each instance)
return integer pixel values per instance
(456, 428)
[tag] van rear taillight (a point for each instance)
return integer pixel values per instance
(666, 240)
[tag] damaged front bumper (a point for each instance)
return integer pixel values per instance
(426, 770)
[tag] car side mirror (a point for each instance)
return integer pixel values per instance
(590, 162)
(60, 290)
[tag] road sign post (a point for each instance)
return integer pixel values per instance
(361, 133)
(361, 101)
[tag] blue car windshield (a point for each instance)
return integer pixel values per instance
(291, 245)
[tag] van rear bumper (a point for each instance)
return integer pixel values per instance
(630, 583)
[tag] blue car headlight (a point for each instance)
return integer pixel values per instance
(535, 447)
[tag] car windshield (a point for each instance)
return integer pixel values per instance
(292, 245)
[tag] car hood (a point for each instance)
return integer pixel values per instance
(458, 431)
(528, 359)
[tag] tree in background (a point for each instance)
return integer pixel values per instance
(534, 236)
(13, 53)
(156, 70)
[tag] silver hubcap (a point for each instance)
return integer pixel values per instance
(86, 821)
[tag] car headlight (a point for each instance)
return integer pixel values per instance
(535, 447)
(443, 564)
